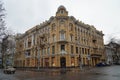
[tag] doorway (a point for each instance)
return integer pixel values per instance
(63, 62)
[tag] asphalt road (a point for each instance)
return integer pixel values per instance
(99, 73)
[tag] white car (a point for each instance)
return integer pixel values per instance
(9, 70)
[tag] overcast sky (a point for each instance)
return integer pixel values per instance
(103, 14)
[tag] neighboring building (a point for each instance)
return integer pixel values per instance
(8, 50)
(109, 52)
(62, 41)
(0, 55)
(115, 50)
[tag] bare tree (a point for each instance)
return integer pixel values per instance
(2, 20)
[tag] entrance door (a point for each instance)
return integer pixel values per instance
(63, 62)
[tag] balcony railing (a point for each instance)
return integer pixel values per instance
(63, 52)
(62, 40)
(96, 55)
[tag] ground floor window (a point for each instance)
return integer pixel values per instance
(72, 61)
(53, 62)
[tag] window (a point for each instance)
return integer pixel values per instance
(77, 50)
(85, 51)
(62, 47)
(62, 22)
(62, 36)
(29, 44)
(88, 51)
(76, 38)
(71, 37)
(53, 61)
(45, 50)
(53, 49)
(27, 53)
(75, 29)
(54, 37)
(48, 50)
(72, 49)
(20, 45)
(53, 26)
(71, 26)
(42, 51)
(82, 50)
(62, 11)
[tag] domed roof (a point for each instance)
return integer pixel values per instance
(61, 7)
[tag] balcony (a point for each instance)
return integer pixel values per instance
(95, 55)
(62, 41)
(28, 56)
(95, 46)
(63, 52)
(94, 39)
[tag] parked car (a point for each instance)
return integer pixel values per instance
(117, 63)
(101, 64)
(9, 70)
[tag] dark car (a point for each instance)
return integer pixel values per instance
(117, 63)
(101, 64)
(9, 70)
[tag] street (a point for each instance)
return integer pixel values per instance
(98, 73)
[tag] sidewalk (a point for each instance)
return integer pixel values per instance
(84, 69)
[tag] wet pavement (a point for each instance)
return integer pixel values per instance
(99, 73)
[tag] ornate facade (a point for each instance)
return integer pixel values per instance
(62, 41)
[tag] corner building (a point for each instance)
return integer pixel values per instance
(61, 41)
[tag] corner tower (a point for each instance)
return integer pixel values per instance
(61, 11)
